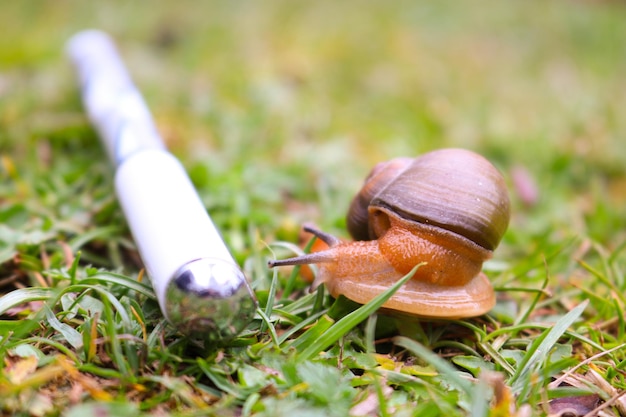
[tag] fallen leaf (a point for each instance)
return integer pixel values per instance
(24, 309)
(574, 406)
(18, 371)
(40, 405)
(369, 406)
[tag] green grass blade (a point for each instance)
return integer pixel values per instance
(105, 296)
(268, 326)
(537, 355)
(25, 295)
(121, 280)
(479, 399)
(74, 268)
(294, 329)
(497, 358)
(219, 379)
(605, 280)
(313, 333)
(57, 345)
(348, 322)
(538, 295)
(71, 335)
(17, 327)
(270, 300)
(112, 334)
(102, 233)
(438, 363)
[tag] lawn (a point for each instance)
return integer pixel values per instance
(278, 110)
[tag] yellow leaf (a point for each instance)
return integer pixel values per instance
(386, 362)
(22, 369)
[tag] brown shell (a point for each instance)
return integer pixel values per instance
(381, 175)
(455, 189)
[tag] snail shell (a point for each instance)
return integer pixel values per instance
(455, 189)
(448, 208)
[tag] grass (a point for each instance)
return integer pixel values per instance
(278, 110)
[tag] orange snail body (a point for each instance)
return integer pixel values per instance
(448, 208)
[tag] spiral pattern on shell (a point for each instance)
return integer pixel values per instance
(454, 189)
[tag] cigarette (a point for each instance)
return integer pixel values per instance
(199, 286)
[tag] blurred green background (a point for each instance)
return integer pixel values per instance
(279, 108)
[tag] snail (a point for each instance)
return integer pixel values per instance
(448, 208)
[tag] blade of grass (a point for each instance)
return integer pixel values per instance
(319, 298)
(71, 335)
(303, 304)
(286, 318)
(25, 295)
(111, 333)
(614, 254)
(534, 357)
(524, 317)
(370, 333)
(17, 328)
(479, 405)
(268, 325)
(61, 347)
(101, 233)
(348, 322)
(105, 295)
(620, 319)
(602, 278)
(112, 278)
(270, 301)
(220, 380)
(313, 333)
(542, 326)
(294, 329)
(382, 400)
(497, 358)
(437, 362)
(74, 268)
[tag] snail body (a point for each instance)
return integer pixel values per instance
(447, 209)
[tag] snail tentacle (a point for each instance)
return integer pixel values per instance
(315, 257)
(310, 258)
(327, 238)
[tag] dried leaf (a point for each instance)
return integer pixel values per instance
(574, 406)
(18, 371)
(369, 406)
(24, 309)
(87, 382)
(40, 405)
(503, 402)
